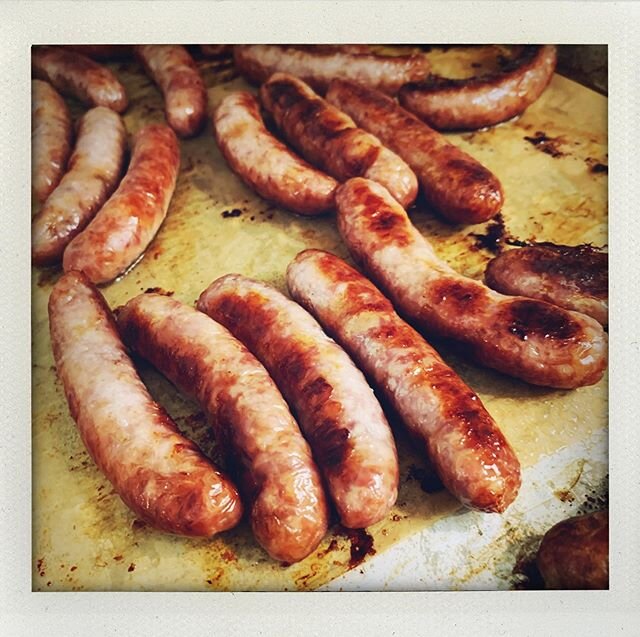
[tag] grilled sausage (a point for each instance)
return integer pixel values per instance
(277, 474)
(330, 140)
(453, 182)
(264, 163)
(482, 101)
(93, 173)
(159, 474)
(337, 411)
(532, 340)
(126, 224)
(446, 418)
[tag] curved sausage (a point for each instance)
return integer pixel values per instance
(574, 554)
(575, 278)
(482, 101)
(453, 182)
(531, 340)
(51, 134)
(264, 163)
(337, 411)
(174, 71)
(78, 76)
(93, 173)
(161, 475)
(277, 474)
(445, 417)
(126, 224)
(257, 62)
(330, 140)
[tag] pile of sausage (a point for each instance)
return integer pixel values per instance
(287, 383)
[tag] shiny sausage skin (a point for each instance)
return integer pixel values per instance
(453, 182)
(574, 554)
(257, 62)
(78, 76)
(337, 411)
(573, 277)
(482, 101)
(92, 175)
(160, 475)
(330, 140)
(264, 163)
(126, 224)
(531, 340)
(174, 71)
(277, 475)
(444, 416)
(51, 134)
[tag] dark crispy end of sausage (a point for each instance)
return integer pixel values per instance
(574, 554)
(573, 277)
(482, 101)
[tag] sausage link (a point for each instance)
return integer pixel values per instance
(482, 101)
(160, 475)
(51, 134)
(126, 224)
(78, 76)
(277, 474)
(101, 51)
(93, 172)
(174, 71)
(573, 277)
(330, 139)
(337, 411)
(446, 418)
(532, 340)
(574, 554)
(257, 62)
(453, 182)
(264, 163)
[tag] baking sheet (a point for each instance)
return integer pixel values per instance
(84, 538)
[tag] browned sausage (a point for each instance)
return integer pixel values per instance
(78, 76)
(161, 475)
(482, 101)
(337, 411)
(446, 418)
(574, 554)
(532, 340)
(330, 140)
(102, 51)
(453, 182)
(51, 134)
(276, 472)
(573, 277)
(174, 71)
(126, 224)
(264, 163)
(257, 62)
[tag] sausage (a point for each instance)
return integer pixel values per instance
(453, 183)
(264, 163)
(101, 51)
(574, 554)
(78, 76)
(337, 411)
(330, 140)
(444, 416)
(573, 277)
(160, 475)
(277, 475)
(51, 135)
(174, 71)
(482, 101)
(532, 340)
(215, 50)
(93, 173)
(126, 224)
(257, 62)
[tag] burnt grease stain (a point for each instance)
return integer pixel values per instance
(428, 479)
(528, 577)
(235, 212)
(496, 236)
(361, 544)
(546, 144)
